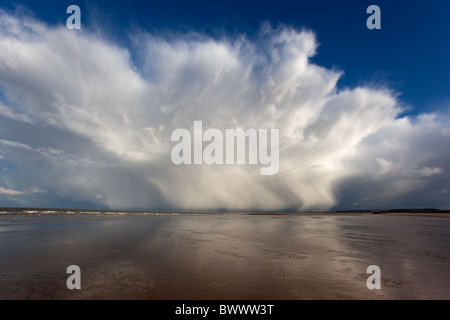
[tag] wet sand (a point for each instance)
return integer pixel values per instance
(218, 256)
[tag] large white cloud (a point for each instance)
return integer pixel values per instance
(84, 122)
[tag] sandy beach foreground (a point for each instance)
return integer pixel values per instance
(219, 256)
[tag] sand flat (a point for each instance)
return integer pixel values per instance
(208, 256)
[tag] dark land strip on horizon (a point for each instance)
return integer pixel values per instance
(429, 212)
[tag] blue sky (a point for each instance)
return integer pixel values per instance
(85, 115)
(410, 52)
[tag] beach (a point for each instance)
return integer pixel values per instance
(224, 256)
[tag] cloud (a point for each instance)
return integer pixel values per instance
(16, 196)
(88, 123)
(10, 192)
(15, 144)
(6, 112)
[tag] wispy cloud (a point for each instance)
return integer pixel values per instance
(6, 112)
(101, 122)
(10, 192)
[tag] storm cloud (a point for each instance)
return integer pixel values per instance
(85, 120)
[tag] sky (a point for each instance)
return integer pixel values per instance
(86, 116)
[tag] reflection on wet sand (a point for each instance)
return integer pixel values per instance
(224, 257)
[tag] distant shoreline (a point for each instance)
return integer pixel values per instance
(103, 212)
